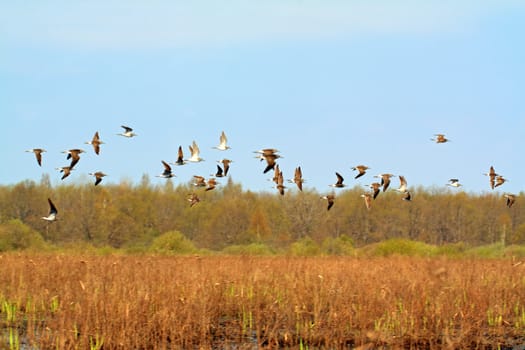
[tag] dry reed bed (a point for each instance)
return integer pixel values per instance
(248, 302)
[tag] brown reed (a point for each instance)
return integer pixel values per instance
(126, 302)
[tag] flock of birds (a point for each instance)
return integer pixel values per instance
(270, 156)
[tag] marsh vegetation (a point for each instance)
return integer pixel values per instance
(130, 302)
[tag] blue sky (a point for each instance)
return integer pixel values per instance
(332, 84)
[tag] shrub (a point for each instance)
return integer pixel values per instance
(172, 242)
(452, 250)
(342, 245)
(15, 235)
(516, 251)
(495, 250)
(400, 246)
(305, 247)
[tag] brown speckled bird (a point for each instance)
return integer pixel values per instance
(511, 198)
(330, 198)
(361, 170)
(440, 138)
(368, 200)
(98, 176)
(95, 142)
(38, 154)
(339, 183)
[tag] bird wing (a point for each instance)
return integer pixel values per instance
(196, 148)
(167, 167)
(223, 139)
(226, 164)
(52, 208)
(211, 184)
(361, 171)
(368, 200)
(38, 155)
(403, 183)
(270, 161)
(219, 171)
(340, 179)
(280, 179)
(74, 161)
(268, 168)
(298, 174)
(180, 157)
(385, 181)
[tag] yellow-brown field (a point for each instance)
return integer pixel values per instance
(124, 302)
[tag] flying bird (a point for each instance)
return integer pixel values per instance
(270, 155)
(330, 199)
(280, 183)
(128, 132)
(402, 184)
(66, 170)
(339, 183)
(195, 153)
(193, 199)
(167, 171)
(276, 172)
(407, 196)
(385, 180)
(74, 155)
(220, 172)
(222, 143)
(95, 142)
(226, 165)
(454, 183)
(38, 154)
(492, 176)
(298, 178)
(52, 216)
(180, 157)
(270, 162)
(500, 180)
(200, 181)
(98, 176)
(376, 189)
(211, 183)
(511, 198)
(440, 138)
(361, 170)
(368, 200)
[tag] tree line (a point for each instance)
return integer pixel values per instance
(127, 215)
